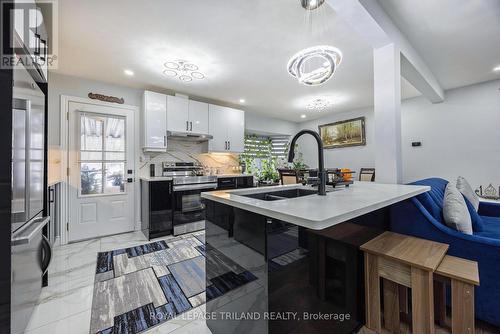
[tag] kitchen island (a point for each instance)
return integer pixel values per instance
(269, 235)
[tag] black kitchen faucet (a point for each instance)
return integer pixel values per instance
(321, 159)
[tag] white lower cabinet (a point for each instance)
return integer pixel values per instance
(227, 126)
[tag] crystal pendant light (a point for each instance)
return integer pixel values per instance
(311, 4)
(315, 65)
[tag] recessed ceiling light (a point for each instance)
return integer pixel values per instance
(128, 72)
(497, 69)
(303, 116)
(242, 100)
(315, 65)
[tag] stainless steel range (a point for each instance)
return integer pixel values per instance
(189, 182)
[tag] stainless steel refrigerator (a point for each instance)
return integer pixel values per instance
(31, 251)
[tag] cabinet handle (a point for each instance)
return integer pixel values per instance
(165, 141)
(228, 145)
(51, 195)
(44, 42)
(37, 45)
(191, 126)
(225, 143)
(187, 126)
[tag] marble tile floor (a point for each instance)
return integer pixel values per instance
(65, 305)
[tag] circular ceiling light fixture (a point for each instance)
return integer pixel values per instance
(311, 4)
(198, 75)
(315, 65)
(319, 105)
(183, 70)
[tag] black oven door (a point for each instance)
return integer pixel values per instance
(189, 207)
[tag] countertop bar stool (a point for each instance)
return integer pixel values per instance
(288, 176)
(401, 260)
(367, 174)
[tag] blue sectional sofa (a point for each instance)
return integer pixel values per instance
(422, 217)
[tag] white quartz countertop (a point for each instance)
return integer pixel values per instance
(165, 178)
(319, 212)
(155, 178)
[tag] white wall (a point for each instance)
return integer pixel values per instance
(460, 136)
(346, 157)
(256, 123)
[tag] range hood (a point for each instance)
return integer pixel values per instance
(189, 136)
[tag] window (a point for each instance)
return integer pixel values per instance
(279, 146)
(266, 147)
(102, 154)
(257, 147)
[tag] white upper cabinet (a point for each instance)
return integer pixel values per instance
(217, 128)
(185, 115)
(155, 122)
(198, 117)
(236, 130)
(177, 114)
(227, 126)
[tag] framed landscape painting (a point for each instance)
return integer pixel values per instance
(346, 133)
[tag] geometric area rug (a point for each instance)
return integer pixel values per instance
(140, 287)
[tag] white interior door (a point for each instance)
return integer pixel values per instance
(100, 159)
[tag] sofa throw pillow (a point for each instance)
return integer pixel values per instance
(455, 213)
(467, 191)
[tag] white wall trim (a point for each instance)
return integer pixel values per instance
(64, 202)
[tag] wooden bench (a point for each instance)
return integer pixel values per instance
(401, 260)
(463, 276)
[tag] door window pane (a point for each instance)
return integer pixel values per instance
(115, 173)
(91, 133)
(115, 135)
(91, 178)
(102, 154)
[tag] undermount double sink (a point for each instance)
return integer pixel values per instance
(282, 194)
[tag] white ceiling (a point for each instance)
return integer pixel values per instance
(458, 39)
(242, 47)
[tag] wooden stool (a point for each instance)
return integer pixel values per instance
(463, 275)
(407, 261)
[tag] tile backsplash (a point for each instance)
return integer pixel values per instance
(179, 150)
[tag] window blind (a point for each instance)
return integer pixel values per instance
(279, 146)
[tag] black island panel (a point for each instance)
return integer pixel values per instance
(307, 281)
